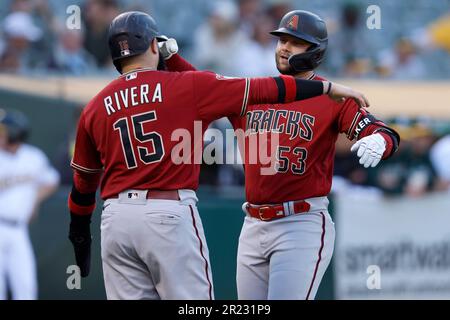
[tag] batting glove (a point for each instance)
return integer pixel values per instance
(370, 149)
(80, 236)
(168, 48)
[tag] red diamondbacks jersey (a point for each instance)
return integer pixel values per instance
(309, 130)
(126, 129)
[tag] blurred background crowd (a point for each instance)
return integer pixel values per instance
(232, 38)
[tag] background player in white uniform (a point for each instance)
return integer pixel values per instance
(26, 179)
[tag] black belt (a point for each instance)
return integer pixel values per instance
(9, 222)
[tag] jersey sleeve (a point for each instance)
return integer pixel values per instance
(236, 122)
(358, 123)
(86, 158)
(178, 63)
(217, 96)
(353, 120)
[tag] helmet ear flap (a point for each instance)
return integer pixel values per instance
(306, 61)
(310, 59)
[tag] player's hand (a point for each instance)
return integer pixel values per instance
(80, 236)
(339, 92)
(370, 149)
(168, 48)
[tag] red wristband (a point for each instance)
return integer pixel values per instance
(291, 88)
(389, 144)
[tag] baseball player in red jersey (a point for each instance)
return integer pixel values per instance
(152, 240)
(287, 238)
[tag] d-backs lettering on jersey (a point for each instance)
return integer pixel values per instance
(126, 130)
(293, 123)
(307, 131)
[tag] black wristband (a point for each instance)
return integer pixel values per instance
(304, 89)
(308, 89)
(82, 199)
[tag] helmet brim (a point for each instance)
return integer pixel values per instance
(284, 31)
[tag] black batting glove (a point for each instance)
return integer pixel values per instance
(80, 236)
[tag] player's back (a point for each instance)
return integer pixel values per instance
(130, 124)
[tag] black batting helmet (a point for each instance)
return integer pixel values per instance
(309, 27)
(16, 125)
(130, 34)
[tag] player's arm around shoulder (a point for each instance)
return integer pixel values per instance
(300, 89)
(340, 93)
